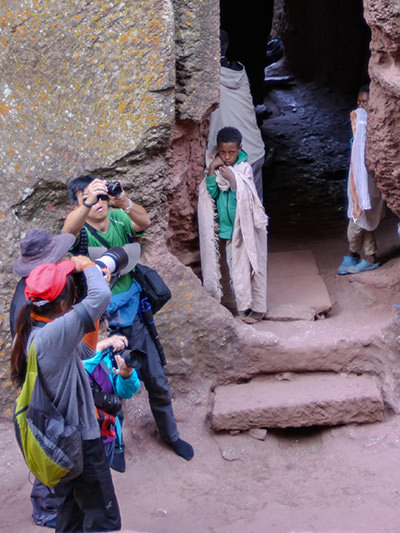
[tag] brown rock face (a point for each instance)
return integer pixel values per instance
(383, 17)
(96, 88)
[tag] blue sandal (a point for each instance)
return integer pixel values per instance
(347, 262)
(362, 266)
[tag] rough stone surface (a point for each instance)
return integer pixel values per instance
(284, 312)
(92, 88)
(77, 92)
(383, 148)
(293, 279)
(198, 54)
(186, 161)
(296, 401)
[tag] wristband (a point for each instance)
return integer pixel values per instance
(127, 209)
(88, 205)
(88, 264)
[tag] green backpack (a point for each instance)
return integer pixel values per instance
(51, 448)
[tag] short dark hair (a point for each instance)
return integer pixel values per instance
(76, 185)
(229, 135)
(364, 89)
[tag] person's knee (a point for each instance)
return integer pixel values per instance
(159, 394)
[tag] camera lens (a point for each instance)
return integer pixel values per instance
(110, 403)
(115, 259)
(114, 188)
(134, 358)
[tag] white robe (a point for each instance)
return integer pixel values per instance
(236, 109)
(365, 203)
(249, 244)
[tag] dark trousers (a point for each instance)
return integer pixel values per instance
(44, 503)
(153, 376)
(88, 502)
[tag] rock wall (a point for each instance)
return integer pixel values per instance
(124, 90)
(97, 87)
(383, 150)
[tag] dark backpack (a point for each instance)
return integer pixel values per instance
(153, 286)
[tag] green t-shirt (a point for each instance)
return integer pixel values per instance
(225, 202)
(119, 230)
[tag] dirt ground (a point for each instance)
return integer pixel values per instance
(341, 479)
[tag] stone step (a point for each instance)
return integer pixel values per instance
(295, 285)
(297, 400)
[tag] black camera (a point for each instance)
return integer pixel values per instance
(114, 188)
(119, 260)
(133, 358)
(115, 259)
(110, 403)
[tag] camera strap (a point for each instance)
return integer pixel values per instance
(96, 235)
(102, 364)
(102, 241)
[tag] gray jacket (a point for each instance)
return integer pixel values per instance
(59, 349)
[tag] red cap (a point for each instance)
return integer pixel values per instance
(46, 282)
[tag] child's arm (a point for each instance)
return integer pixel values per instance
(127, 384)
(214, 165)
(212, 186)
(229, 175)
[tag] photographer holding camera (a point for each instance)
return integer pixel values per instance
(51, 327)
(94, 224)
(111, 379)
(38, 247)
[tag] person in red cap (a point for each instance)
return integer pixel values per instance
(36, 248)
(53, 326)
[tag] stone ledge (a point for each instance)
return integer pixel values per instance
(297, 400)
(294, 284)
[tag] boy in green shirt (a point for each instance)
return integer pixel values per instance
(242, 222)
(117, 227)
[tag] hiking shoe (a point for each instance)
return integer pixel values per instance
(253, 317)
(243, 314)
(182, 448)
(362, 266)
(346, 263)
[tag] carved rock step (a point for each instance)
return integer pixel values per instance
(296, 400)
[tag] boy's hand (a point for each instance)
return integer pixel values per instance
(229, 175)
(227, 172)
(123, 369)
(216, 163)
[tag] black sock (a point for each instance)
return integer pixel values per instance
(182, 448)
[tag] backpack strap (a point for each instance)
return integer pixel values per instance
(96, 235)
(80, 247)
